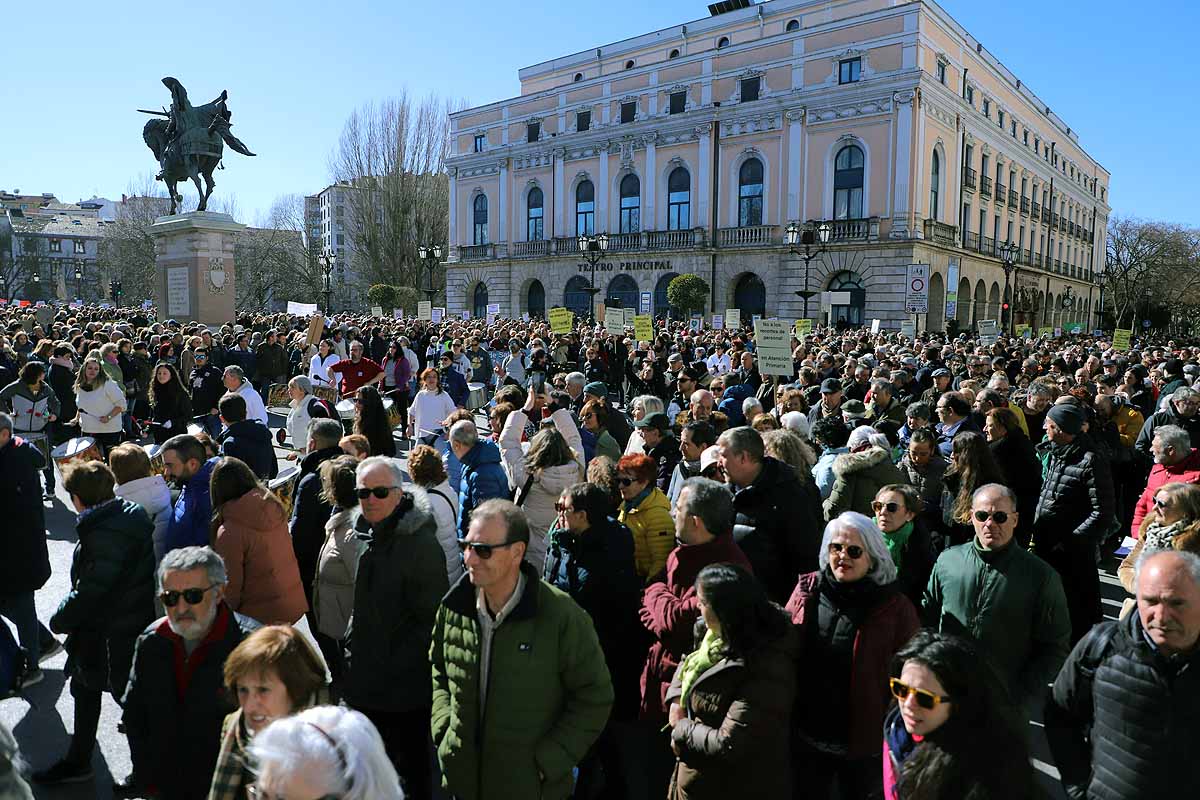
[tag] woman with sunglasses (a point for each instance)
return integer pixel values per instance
(898, 515)
(1172, 524)
(853, 618)
(951, 734)
(732, 698)
(646, 511)
(371, 421)
(249, 529)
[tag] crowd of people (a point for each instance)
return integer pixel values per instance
(576, 565)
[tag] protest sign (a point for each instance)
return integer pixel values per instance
(772, 345)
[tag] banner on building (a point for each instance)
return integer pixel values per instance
(773, 346)
(425, 310)
(301, 309)
(916, 292)
(733, 318)
(643, 327)
(952, 290)
(561, 320)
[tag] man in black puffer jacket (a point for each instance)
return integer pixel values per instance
(1076, 511)
(246, 439)
(778, 517)
(1123, 719)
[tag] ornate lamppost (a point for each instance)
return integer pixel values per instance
(431, 255)
(327, 261)
(593, 249)
(807, 237)
(1008, 255)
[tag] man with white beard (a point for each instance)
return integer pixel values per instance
(176, 700)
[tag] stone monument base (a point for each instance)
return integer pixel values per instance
(194, 269)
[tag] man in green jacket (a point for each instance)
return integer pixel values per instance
(520, 686)
(1008, 600)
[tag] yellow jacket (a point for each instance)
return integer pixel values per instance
(653, 532)
(1129, 424)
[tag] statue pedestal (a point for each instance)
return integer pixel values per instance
(194, 269)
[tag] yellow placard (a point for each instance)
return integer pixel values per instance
(643, 327)
(561, 320)
(803, 327)
(1121, 339)
(1046, 330)
(1024, 330)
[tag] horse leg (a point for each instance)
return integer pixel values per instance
(170, 190)
(208, 180)
(203, 206)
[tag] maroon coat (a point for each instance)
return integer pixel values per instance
(888, 628)
(669, 611)
(1186, 471)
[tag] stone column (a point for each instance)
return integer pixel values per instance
(700, 186)
(560, 200)
(603, 190)
(902, 188)
(648, 189)
(194, 266)
(452, 240)
(502, 228)
(795, 132)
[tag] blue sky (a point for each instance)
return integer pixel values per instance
(77, 72)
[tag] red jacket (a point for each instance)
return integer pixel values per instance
(669, 612)
(882, 634)
(1186, 471)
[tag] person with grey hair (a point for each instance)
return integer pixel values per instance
(1175, 461)
(751, 408)
(859, 474)
(173, 715)
(1180, 410)
(641, 406)
(884, 404)
(483, 475)
(235, 382)
(1024, 627)
(853, 619)
(1121, 717)
(575, 383)
(303, 408)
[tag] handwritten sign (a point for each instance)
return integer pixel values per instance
(614, 322)
(733, 318)
(643, 327)
(376, 311)
(803, 328)
(1122, 339)
(437, 314)
(561, 320)
(772, 344)
(425, 310)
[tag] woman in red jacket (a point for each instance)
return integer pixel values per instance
(853, 618)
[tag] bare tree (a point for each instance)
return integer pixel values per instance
(1150, 264)
(126, 252)
(272, 262)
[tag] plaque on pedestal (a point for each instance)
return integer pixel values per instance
(194, 279)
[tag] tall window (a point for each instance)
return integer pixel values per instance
(941, 72)
(678, 102)
(631, 201)
(628, 112)
(987, 107)
(583, 121)
(480, 301)
(850, 70)
(480, 220)
(679, 200)
(970, 95)
(534, 216)
(848, 183)
(480, 142)
(750, 193)
(935, 179)
(750, 89)
(585, 209)
(532, 131)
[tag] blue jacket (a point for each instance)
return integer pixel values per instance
(456, 386)
(250, 441)
(188, 525)
(823, 470)
(451, 463)
(731, 403)
(482, 479)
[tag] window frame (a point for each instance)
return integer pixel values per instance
(849, 70)
(479, 220)
(941, 72)
(756, 82)
(750, 194)
(480, 142)
(535, 230)
(679, 212)
(583, 120)
(628, 104)
(671, 97)
(630, 219)
(533, 132)
(846, 177)
(585, 219)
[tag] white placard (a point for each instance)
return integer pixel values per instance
(179, 292)
(733, 318)
(436, 314)
(874, 327)
(424, 310)
(989, 332)
(614, 322)
(630, 313)
(718, 322)
(301, 309)
(398, 313)
(493, 309)
(916, 292)
(466, 315)
(376, 311)
(908, 328)
(772, 345)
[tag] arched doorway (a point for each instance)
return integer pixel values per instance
(935, 320)
(962, 306)
(980, 304)
(536, 302)
(850, 314)
(576, 296)
(662, 308)
(750, 296)
(622, 292)
(994, 302)
(480, 301)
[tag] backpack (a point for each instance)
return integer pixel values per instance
(14, 664)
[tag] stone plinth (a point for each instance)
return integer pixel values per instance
(194, 269)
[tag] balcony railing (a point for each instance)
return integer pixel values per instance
(541, 247)
(968, 177)
(564, 245)
(985, 186)
(1012, 199)
(675, 240)
(854, 230)
(750, 236)
(477, 252)
(940, 232)
(1025, 206)
(1055, 219)
(987, 246)
(1001, 193)
(624, 242)
(970, 241)
(1037, 210)
(1045, 215)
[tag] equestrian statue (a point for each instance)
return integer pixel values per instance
(188, 143)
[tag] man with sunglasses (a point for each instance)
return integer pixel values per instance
(401, 579)
(521, 690)
(176, 700)
(1010, 601)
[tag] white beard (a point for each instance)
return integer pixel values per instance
(194, 630)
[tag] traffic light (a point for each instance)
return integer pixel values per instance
(112, 290)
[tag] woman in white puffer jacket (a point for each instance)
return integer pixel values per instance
(131, 467)
(101, 403)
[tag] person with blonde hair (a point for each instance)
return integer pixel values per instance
(101, 402)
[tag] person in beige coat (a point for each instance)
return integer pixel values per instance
(337, 564)
(861, 473)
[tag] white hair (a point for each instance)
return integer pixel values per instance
(464, 432)
(1191, 562)
(749, 404)
(392, 464)
(336, 747)
(864, 434)
(576, 378)
(882, 570)
(795, 421)
(650, 403)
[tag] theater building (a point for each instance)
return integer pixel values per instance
(694, 147)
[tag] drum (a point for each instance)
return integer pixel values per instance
(155, 452)
(39, 439)
(194, 427)
(393, 412)
(345, 410)
(82, 448)
(278, 395)
(284, 487)
(327, 393)
(478, 395)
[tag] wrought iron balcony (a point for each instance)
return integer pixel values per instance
(1037, 210)
(1001, 193)
(968, 177)
(1012, 199)
(1025, 206)
(985, 186)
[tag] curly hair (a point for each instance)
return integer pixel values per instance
(425, 466)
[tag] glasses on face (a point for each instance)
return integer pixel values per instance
(587, 416)
(192, 597)
(1160, 503)
(890, 508)
(925, 699)
(626, 481)
(1000, 517)
(379, 491)
(562, 508)
(852, 551)
(480, 549)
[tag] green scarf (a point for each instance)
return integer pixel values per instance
(896, 540)
(697, 663)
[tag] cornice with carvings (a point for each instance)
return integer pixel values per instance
(841, 111)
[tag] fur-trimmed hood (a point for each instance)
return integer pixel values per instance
(861, 461)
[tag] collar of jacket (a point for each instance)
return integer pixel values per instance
(461, 598)
(410, 514)
(92, 516)
(994, 558)
(314, 459)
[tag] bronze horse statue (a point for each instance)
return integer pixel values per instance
(188, 144)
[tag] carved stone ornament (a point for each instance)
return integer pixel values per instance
(905, 97)
(452, 172)
(216, 275)
(704, 130)
(795, 114)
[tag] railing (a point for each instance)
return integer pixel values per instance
(985, 186)
(1057, 265)
(1012, 199)
(564, 245)
(940, 232)
(1071, 227)
(850, 230)
(1025, 206)
(624, 242)
(1055, 219)
(1037, 210)
(987, 246)
(1001, 193)
(674, 240)
(1045, 215)
(540, 247)
(970, 241)
(751, 236)
(477, 252)
(969, 177)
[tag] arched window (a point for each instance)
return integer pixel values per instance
(536, 302)
(750, 296)
(631, 201)
(480, 219)
(662, 308)
(576, 297)
(793, 25)
(722, 42)
(935, 180)
(578, 77)
(849, 314)
(585, 208)
(480, 302)
(750, 193)
(534, 216)
(622, 292)
(848, 183)
(679, 200)
(674, 53)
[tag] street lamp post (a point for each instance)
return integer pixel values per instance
(593, 249)
(1102, 280)
(327, 261)
(1008, 254)
(431, 255)
(807, 237)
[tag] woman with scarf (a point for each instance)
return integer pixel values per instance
(1173, 524)
(950, 734)
(731, 700)
(853, 617)
(898, 509)
(646, 511)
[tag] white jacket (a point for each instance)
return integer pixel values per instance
(153, 495)
(255, 409)
(99, 403)
(428, 410)
(445, 510)
(297, 423)
(318, 370)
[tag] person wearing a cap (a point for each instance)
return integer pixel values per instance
(617, 424)
(660, 445)
(831, 401)
(854, 414)
(685, 384)
(1075, 511)
(941, 378)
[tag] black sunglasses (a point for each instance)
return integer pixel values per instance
(852, 550)
(1000, 517)
(190, 596)
(379, 491)
(626, 481)
(891, 508)
(484, 551)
